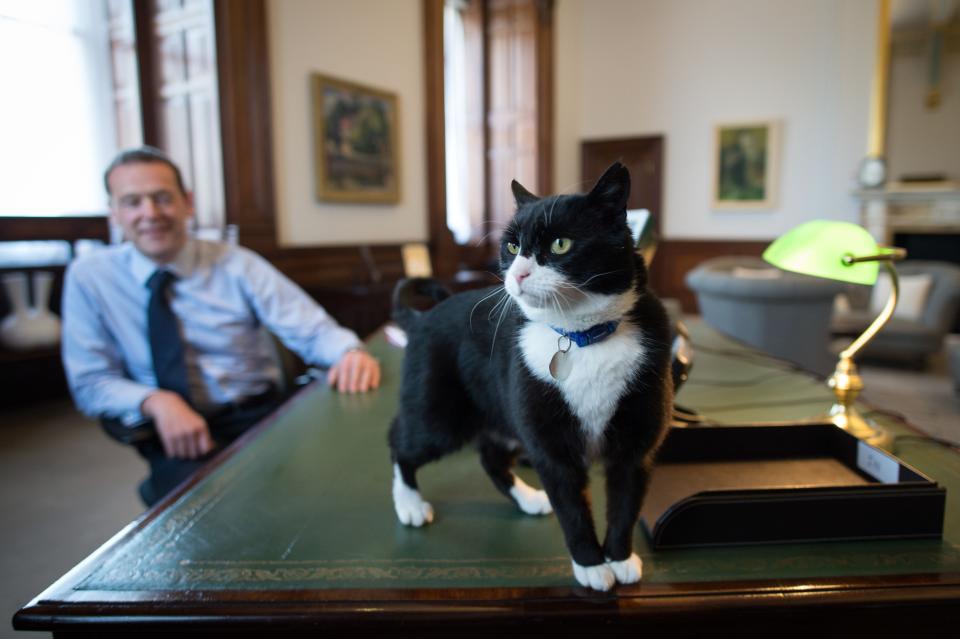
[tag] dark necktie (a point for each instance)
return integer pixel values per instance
(163, 330)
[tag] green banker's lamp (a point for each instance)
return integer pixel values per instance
(848, 253)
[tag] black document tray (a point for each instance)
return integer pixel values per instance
(733, 485)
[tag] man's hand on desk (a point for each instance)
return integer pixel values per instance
(356, 372)
(183, 432)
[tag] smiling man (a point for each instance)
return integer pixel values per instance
(167, 330)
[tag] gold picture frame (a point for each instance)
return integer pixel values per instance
(356, 142)
(746, 160)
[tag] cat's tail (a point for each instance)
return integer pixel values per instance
(413, 296)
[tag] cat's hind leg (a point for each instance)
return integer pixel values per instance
(411, 508)
(497, 459)
(408, 453)
(430, 424)
(530, 500)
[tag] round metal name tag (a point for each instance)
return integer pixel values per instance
(560, 365)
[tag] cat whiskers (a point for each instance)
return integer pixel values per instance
(503, 312)
(573, 287)
(557, 298)
(502, 300)
(566, 284)
(592, 277)
(571, 299)
(496, 227)
(499, 289)
(550, 212)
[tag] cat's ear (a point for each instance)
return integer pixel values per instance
(521, 195)
(613, 187)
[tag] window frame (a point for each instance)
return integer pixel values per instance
(448, 256)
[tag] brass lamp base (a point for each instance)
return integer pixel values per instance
(850, 420)
(847, 384)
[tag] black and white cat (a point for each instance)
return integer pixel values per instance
(568, 361)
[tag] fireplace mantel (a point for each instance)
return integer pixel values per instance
(913, 209)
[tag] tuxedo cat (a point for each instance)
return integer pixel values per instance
(569, 361)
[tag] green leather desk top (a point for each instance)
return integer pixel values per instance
(305, 504)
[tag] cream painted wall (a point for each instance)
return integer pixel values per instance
(679, 67)
(374, 42)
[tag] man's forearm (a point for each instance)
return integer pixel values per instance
(109, 394)
(183, 432)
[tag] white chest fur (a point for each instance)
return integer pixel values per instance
(599, 375)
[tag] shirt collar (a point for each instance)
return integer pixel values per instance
(182, 266)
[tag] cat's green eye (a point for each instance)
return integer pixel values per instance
(561, 245)
(512, 248)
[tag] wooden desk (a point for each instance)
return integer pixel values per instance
(293, 530)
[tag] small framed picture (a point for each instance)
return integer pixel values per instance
(746, 165)
(356, 142)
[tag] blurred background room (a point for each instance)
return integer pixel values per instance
(738, 120)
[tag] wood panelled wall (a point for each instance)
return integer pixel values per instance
(675, 258)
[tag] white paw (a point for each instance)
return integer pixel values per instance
(627, 571)
(411, 509)
(530, 500)
(598, 577)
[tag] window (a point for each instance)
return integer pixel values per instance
(56, 117)
(464, 118)
(496, 116)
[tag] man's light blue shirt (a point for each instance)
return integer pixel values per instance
(223, 297)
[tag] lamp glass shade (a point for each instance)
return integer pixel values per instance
(818, 247)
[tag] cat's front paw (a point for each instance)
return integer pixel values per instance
(411, 509)
(599, 577)
(627, 571)
(529, 499)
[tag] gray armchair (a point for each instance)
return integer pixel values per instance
(905, 340)
(953, 361)
(784, 314)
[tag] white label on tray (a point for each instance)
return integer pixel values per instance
(878, 465)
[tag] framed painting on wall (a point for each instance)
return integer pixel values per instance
(746, 165)
(356, 142)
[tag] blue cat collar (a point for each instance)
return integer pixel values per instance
(590, 336)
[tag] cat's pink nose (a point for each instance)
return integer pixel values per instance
(521, 276)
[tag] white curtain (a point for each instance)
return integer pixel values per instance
(455, 123)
